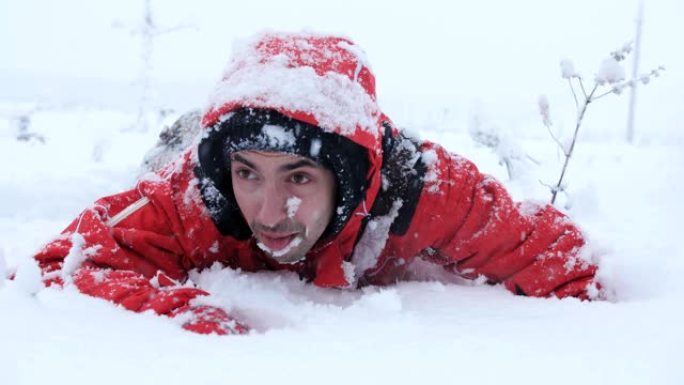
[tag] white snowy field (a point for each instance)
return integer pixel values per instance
(440, 69)
(627, 198)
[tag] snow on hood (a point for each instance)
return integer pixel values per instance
(319, 79)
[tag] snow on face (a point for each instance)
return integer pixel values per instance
(279, 253)
(292, 205)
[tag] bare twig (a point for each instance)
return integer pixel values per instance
(554, 137)
(541, 182)
(610, 75)
(603, 94)
(574, 95)
(533, 160)
(581, 83)
(568, 153)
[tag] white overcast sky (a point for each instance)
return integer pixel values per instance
(427, 48)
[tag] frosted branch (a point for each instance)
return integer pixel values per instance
(610, 75)
(574, 94)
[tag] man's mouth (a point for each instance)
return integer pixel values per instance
(275, 241)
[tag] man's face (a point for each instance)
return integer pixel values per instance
(287, 200)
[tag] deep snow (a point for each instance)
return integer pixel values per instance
(626, 197)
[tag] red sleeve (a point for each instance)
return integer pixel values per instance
(136, 263)
(532, 249)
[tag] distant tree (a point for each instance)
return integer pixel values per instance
(149, 30)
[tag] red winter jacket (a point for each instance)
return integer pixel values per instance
(136, 248)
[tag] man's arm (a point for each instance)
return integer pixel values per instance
(124, 250)
(477, 229)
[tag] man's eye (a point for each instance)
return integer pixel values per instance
(300, 178)
(245, 174)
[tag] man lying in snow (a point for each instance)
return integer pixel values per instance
(298, 169)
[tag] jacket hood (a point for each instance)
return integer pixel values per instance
(318, 79)
(323, 81)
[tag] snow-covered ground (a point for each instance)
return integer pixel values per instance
(440, 68)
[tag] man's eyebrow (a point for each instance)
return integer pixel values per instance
(237, 157)
(298, 164)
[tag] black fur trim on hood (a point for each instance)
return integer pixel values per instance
(268, 130)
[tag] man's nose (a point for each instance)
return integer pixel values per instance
(273, 209)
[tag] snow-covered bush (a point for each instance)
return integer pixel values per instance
(22, 127)
(172, 141)
(505, 147)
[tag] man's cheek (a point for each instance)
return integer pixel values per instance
(312, 216)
